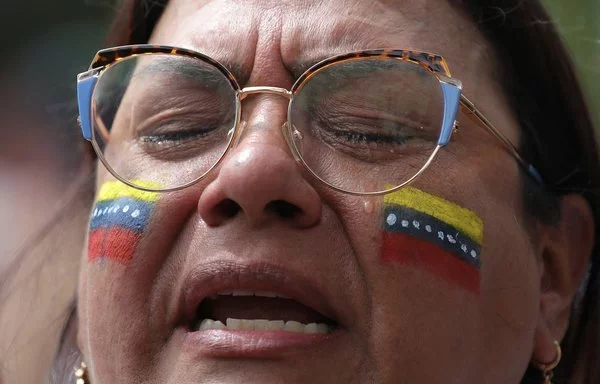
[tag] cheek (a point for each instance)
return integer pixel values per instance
(118, 221)
(426, 287)
(427, 232)
(510, 276)
(117, 281)
(435, 287)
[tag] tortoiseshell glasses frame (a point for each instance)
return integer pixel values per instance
(451, 88)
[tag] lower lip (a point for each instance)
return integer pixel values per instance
(254, 344)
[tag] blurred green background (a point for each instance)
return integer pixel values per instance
(579, 22)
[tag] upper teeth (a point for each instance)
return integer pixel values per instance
(248, 293)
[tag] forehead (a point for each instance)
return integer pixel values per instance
(255, 36)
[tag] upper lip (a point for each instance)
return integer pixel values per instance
(217, 276)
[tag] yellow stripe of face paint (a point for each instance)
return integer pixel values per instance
(116, 189)
(460, 218)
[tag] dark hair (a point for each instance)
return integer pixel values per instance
(538, 79)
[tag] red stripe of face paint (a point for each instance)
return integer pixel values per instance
(115, 244)
(407, 250)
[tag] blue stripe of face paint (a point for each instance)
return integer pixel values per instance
(428, 228)
(123, 212)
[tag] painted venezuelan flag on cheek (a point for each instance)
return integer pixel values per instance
(118, 221)
(431, 233)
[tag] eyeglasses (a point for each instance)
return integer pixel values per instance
(363, 123)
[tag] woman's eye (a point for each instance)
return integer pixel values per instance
(368, 130)
(182, 138)
(178, 132)
(358, 137)
(372, 139)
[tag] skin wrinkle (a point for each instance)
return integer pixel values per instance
(210, 41)
(340, 34)
(343, 228)
(215, 246)
(357, 210)
(270, 34)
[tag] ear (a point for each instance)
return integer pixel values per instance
(564, 250)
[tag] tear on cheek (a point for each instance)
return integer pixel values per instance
(118, 222)
(425, 231)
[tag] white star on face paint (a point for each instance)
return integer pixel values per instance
(391, 219)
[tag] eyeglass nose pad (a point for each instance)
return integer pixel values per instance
(286, 130)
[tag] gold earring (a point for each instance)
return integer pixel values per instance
(81, 374)
(548, 368)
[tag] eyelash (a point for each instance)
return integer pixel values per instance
(175, 137)
(357, 137)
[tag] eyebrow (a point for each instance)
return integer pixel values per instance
(192, 71)
(239, 72)
(298, 66)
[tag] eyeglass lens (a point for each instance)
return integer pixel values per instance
(360, 125)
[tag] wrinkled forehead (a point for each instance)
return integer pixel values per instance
(294, 34)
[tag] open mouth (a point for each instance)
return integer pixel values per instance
(259, 311)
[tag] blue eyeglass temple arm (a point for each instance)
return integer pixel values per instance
(451, 92)
(85, 88)
(453, 99)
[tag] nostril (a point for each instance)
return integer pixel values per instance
(283, 209)
(228, 208)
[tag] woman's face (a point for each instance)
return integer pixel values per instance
(395, 310)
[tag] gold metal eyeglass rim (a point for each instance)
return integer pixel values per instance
(434, 64)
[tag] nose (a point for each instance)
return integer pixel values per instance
(259, 181)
